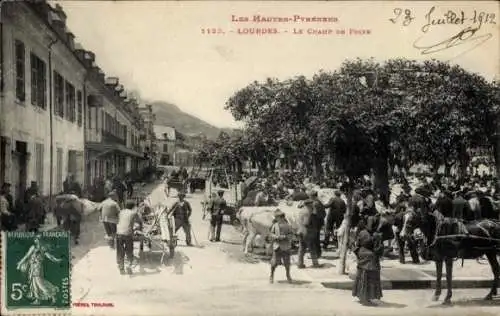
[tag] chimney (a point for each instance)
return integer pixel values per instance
(119, 89)
(102, 76)
(112, 81)
(90, 56)
(71, 40)
(58, 22)
(98, 73)
(60, 11)
(81, 53)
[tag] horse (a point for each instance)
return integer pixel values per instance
(446, 239)
(395, 221)
(177, 184)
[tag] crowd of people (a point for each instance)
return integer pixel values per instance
(31, 208)
(463, 199)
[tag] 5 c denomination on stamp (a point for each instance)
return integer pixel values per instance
(36, 271)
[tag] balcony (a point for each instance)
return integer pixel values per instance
(109, 138)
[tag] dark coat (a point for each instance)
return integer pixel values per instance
(319, 212)
(218, 205)
(182, 212)
(460, 207)
(445, 206)
(369, 251)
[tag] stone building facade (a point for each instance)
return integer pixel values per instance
(41, 101)
(59, 115)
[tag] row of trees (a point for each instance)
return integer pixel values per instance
(364, 116)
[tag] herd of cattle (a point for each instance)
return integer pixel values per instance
(257, 221)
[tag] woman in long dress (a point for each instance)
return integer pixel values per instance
(40, 289)
(369, 249)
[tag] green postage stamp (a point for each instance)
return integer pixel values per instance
(36, 272)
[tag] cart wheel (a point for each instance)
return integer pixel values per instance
(235, 221)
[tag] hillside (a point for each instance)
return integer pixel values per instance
(170, 115)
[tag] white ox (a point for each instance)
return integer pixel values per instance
(258, 221)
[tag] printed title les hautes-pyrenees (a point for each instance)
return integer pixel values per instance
(257, 18)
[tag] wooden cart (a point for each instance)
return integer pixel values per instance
(157, 233)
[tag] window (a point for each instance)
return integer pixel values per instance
(72, 162)
(98, 116)
(70, 102)
(58, 94)
(20, 71)
(39, 155)
(79, 109)
(165, 148)
(89, 117)
(38, 82)
(59, 174)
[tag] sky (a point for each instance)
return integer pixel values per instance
(158, 47)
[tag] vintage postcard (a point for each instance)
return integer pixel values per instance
(249, 157)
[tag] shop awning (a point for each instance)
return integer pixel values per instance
(105, 149)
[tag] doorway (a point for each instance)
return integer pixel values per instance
(20, 158)
(3, 155)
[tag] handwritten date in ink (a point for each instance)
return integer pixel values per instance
(470, 34)
(406, 16)
(457, 18)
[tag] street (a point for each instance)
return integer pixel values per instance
(217, 278)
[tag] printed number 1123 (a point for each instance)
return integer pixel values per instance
(211, 31)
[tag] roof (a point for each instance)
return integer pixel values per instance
(162, 131)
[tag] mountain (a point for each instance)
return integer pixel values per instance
(170, 115)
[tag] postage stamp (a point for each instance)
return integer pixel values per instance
(36, 271)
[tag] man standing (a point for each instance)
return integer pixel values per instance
(182, 212)
(66, 184)
(307, 235)
(70, 186)
(337, 209)
(120, 189)
(281, 236)
(8, 218)
(109, 217)
(317, 221)
(217, 211)
(460, 206)
(124, 236)
(32, 190)
(444, 204)
(35, 213)
(474, 208)
(71, 209)
(108, 186)
(5, 213)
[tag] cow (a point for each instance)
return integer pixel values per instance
(69, 210)
(258, 221)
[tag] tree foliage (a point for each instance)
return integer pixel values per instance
(364, 114)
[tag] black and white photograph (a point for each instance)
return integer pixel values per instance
(249, 158)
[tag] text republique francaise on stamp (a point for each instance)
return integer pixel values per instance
(36, 270)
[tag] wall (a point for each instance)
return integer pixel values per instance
(22, 121)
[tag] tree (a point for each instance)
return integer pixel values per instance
(447, 110)
(369, 116)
